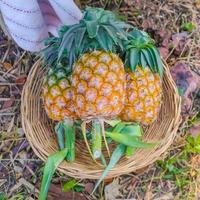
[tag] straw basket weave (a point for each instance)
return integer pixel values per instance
(41, 136)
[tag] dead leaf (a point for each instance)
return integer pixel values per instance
(177, 37)
(22, 182)
(195, 130)
(21, 79)
(178, 41)
(112, 191)
(7, 66)
(8, 103)
(89, 187)
(165, 36)
(187, 83)
(108, 181)
(55, 192)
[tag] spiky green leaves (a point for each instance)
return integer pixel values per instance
(50, 52)
(140, 50)
(128, 137)
(98, 30)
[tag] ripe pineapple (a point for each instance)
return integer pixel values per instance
(57, 95)
(144, 80)
(58, 104)
(98, 82)
(98, 76)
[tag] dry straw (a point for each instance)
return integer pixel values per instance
(40, 131)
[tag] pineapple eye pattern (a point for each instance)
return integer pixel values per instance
(63, 83)
(106, 89)
(55, 91)
(82, 87)
(111, 77)
(48, 100)
(101, 103)
(57, 95)
(101, 69)
(104, 57)
(91, 62)
(144, 93)
(114, 66)
(52, 80)
(91, 95)
(96, 82)
(103, 91)
(80, 101)
(115, 100)
(60, 102)
(85, 74)
(55, 110)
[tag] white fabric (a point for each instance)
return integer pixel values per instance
(29, 21)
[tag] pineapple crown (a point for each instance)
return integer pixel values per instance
(98, 30)
(140, 50)
(50, 52)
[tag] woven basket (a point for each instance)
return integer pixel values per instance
(40, 133)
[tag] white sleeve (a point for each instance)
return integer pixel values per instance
(67, 11)
(29, 22)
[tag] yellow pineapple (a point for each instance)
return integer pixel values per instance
(57, 95)
(144, 83)
(98, 82)
(143, 96)
(98, 75)
(98, 85)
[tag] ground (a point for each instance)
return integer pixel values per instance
(175, 26)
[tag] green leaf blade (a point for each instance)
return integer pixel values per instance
(134, 59)
(92, 28)
(116, 155)
(132, 130)
(129, 140)
(69, 185)
(52, 163)
(60, 137)
(69, 132)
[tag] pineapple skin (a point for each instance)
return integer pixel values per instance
(57, 95)
(143, 96)
(98, 84)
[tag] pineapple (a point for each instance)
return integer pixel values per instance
(98, 83)
(57, 95)
(98, 75)
(58, 104)
(144, 80)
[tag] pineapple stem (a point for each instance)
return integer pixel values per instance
(60, 137)
(96, 139)
(83, 128)
(69, 132)
(104, 137)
